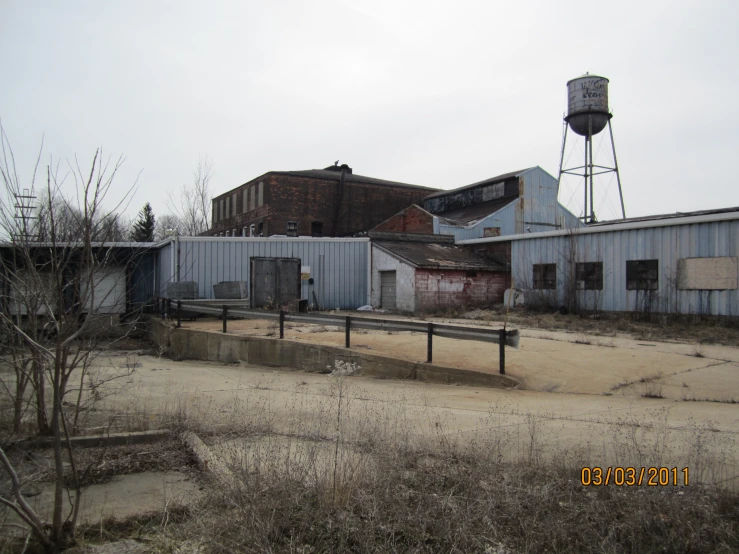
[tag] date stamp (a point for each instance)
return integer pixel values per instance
(634, 476)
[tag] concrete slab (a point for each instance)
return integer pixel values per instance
(244, 399)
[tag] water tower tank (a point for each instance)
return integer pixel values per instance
(587, 104)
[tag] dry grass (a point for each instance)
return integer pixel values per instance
(347, 475)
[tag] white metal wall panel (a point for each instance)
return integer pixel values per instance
(339, 267)
(667, 244)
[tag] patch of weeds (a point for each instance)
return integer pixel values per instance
(582, 339)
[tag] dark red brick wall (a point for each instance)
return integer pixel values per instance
(305, 200)
(439, 289)
(411, 220)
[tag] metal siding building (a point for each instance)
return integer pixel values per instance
(666, 240)
(339, 267)
(536, 210)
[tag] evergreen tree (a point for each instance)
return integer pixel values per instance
(143, 229)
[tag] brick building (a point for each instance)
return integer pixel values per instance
(426, 273)
(318, 202)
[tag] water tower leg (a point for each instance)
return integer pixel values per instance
(562, 157)
(615, 167)
(585, 187)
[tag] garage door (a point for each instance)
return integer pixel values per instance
(110, 291)
(387, 290)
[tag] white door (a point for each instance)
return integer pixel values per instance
(109, 291)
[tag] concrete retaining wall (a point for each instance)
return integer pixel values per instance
(219, 347)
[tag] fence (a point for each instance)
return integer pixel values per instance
(177, 309)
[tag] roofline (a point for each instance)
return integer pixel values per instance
(461, 267)
(688, 220)
(262, 239)
(347, 179)
(7, 244)
(489, 181)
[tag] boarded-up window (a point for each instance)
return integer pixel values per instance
(221, 213)
(491, 232)
(719, 273)
(245, 203)
(261, 194)
(253, 194)
(228, 207)
(292, 228)
(642, 274)
(545, 276)
(215, 212)
(589, 275)
(233, 206)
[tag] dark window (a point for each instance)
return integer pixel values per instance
(260, 229)
(316, 229)
(292, 228)
(545, 276)
(589, 275)
(642, 274)
(470, 273)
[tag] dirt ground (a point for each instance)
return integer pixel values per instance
(547, 360)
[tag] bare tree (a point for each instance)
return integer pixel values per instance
(48, 306)
(165, 223)
(193, 207)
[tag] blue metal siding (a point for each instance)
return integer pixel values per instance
(164, 272)
(667, 244)
(339, 267)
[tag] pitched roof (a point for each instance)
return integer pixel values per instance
(473, 213)
(334, 175)
(438, 256)
(490, 181)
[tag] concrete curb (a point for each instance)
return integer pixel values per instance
(207, 462)
(213, 346)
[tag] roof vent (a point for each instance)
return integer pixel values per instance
(337, 167)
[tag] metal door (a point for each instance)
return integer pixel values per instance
(387, 290)
(274, 281)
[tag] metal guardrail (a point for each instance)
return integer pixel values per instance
(176, 308)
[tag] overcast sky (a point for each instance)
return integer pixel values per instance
(440, 94)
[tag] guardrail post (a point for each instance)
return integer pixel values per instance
(179, 309)
(501, 350)
(430, 344)
(225, 315)
(348, 330)
(282, 324)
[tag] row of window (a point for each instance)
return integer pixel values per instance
(226, 206)
(257, 230)
(640, 275)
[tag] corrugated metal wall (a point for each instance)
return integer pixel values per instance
(666, 244)
(339, 267)
(164, 273)
(541, 211)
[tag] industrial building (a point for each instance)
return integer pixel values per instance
(423, 273)
(124, 279)
(330, 202)
(329, 273)
(522, 201)
(682, 263)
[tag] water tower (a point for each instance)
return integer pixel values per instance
(587, 115)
